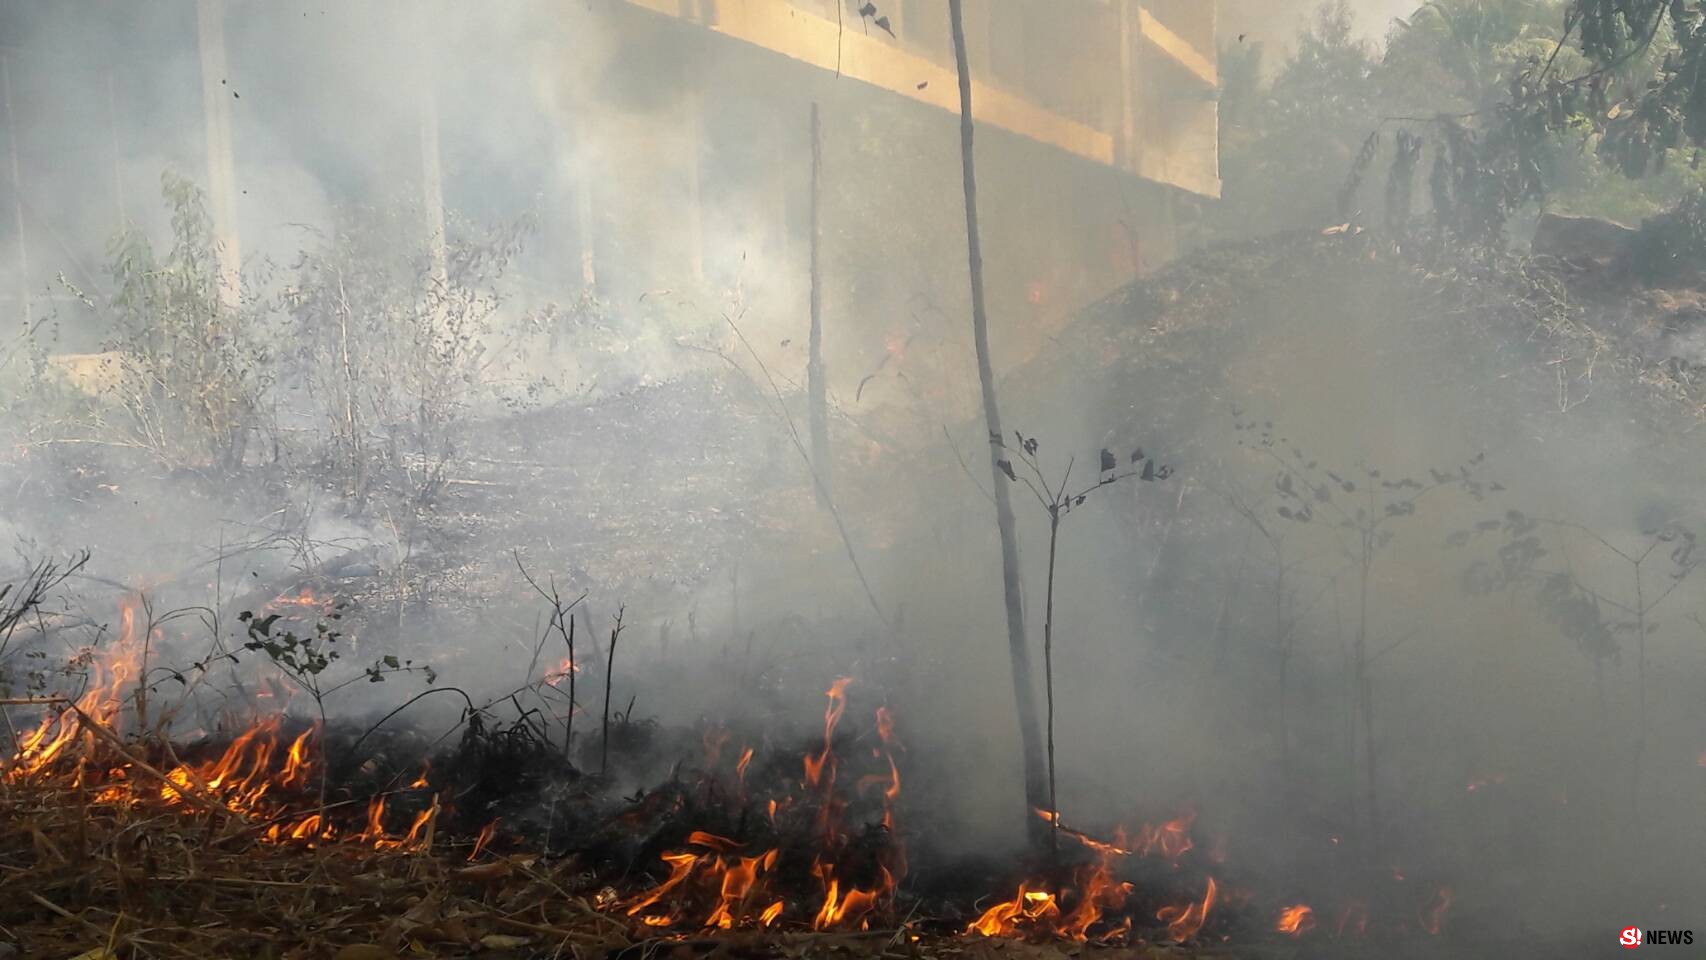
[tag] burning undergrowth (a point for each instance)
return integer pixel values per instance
(529, 819)
(742, 833)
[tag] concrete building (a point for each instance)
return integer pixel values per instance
(1098, 148)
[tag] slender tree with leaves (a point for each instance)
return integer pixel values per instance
(1057, 500)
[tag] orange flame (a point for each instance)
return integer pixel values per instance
(847, 910)
(740, 883)
(1296, 920)
(296, 760)
(418, 838)
(1028, 908)
(1183, 922)
(1100, 892)
(375, 821)
(102, 701)
(483, 840)
(681, 865)
(816, 767)
(1036, 910)
(700, 838)
(740, 770)
(1171, 839)
(304, 597)
(1117, 848)
(564, 670)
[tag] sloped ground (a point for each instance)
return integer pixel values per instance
(1297, 325)
(1390, 354)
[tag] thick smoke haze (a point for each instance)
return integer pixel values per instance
(1276, 21)
(621, 209)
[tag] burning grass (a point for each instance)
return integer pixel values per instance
(277, 837)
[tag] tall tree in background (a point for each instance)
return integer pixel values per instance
(1636, 95)
(1652, 114)
(1518, 104)
(1637, 92)
(1024, 692)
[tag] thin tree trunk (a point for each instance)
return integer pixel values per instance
(1285, 724)
(1024, 692)
(815, 384)
(1282, 641)
(609, 672)
(1048, 677)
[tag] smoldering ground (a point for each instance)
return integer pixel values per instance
(648, 455)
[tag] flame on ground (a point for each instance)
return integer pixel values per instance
(1029, 909)
(713, 884)
(263, 773)
(1170, 840)
(305, 597)
(483, 840)
(269, 772)
(1184, 921)
(1296, 920)
(739, 882)
(1037, 911)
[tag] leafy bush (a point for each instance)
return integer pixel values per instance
(1671, 249)
(392, 337)
(193, 370)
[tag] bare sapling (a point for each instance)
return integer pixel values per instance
(1057, 500)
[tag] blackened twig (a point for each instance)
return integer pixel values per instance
(609, 667)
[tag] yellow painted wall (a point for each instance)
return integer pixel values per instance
(1123, 83)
